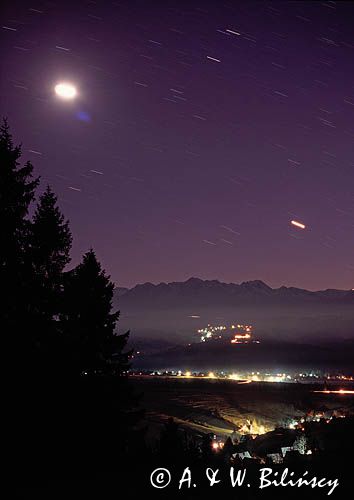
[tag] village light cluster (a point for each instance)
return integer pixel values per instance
(246, 377)
(261, 377)
(243, 333)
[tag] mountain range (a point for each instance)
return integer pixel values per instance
(172, 312)
(200, 291)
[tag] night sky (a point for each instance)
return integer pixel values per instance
(200, 130)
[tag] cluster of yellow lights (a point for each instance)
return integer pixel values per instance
(258, 377)
(341, 377)
(340, 391)
(211, 328)
(248, 328)
(210, 331)
(254, 428)
(189, 374)
(239, 337)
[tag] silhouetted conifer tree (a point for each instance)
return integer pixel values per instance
(88, 322)
(50, 246)
(51, 239)
(103, 401)
(17, 191)
(69, 364)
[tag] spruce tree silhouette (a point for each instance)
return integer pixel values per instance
(17, 191)
(72, 407)
(50, 245)
(89, 324)
(103, 404)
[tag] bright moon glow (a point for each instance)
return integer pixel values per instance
(65, 90)
(298, 224)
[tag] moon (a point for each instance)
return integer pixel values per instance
(65, 90)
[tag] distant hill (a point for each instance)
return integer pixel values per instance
(173, 311)
(268, 355)
(119, 291)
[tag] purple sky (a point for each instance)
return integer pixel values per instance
(200, 164)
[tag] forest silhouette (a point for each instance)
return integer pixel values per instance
(70, 399)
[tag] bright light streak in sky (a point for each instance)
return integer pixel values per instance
(298, 224)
